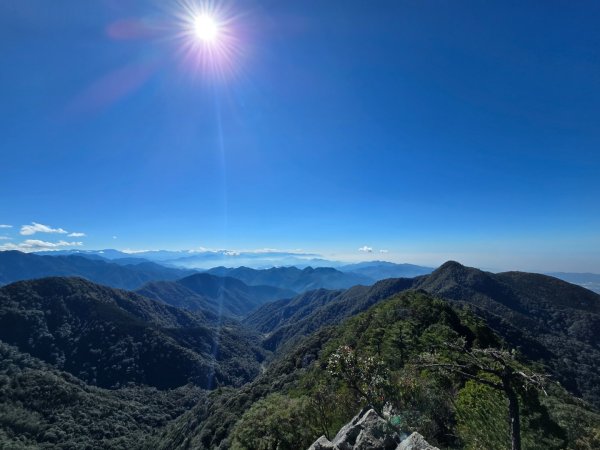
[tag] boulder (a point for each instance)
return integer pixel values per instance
(415, 442)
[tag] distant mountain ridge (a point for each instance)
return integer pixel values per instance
(220, 295)
(205, 259)
(17, 266)
(380, 270)
(263, 259)
(298, 280)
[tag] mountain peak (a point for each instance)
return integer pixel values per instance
(451, 265)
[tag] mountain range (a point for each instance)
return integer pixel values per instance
(264, 259)
(548, 319)
(121, 270)
(206, 259)
(220, 295)
(209, 360)
(298, 280)
(16, 266)
(380, 270)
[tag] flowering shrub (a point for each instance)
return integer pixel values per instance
(366, 375)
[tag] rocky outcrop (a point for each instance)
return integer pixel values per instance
(369, 431)
(322, 444)
(415, 442)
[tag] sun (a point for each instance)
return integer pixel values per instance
(206, 28)
(209, 34)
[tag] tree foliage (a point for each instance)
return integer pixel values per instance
(277, 422)
(41, 407)
(366, 375)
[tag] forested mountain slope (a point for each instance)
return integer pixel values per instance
(42, 407)
(221, 295)
(548, 319)
(109, 338)
(302, 396)
(287, 320)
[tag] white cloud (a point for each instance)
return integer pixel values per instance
(4, 238)
(366, 249)
(114, 237)
(5, 226)
(383, 251)
(28, 230)
(250, 252)
(34, 245)
(279, 252)
(76, 234)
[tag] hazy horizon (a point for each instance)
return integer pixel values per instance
(270, 257)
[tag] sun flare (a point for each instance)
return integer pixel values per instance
(206, 28)
(210, 38)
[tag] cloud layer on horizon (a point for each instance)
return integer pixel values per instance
(35, 245)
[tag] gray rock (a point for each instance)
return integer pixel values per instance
(369, 439)
(415, 442)
(366, 431)
(346, 437)
(369, 431)
(322, 444)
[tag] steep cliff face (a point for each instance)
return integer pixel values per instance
(369, 431)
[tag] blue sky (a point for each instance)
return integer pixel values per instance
(431, 129)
